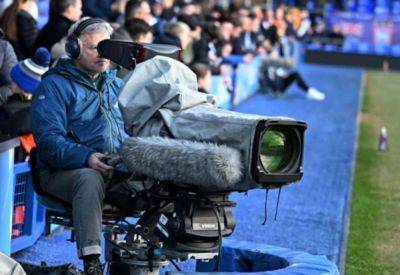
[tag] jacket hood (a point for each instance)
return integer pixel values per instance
(65, 66)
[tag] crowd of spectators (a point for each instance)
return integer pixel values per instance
(214, 37)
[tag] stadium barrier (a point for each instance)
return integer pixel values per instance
(22, 218)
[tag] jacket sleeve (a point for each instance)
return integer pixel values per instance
(49, 125)
(9, 61)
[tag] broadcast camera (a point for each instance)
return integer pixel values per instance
(187, 156)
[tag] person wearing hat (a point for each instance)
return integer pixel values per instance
(15, 113)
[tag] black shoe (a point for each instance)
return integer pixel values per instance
(93, 266)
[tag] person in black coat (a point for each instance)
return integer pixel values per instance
(19, 24)
(63, 13)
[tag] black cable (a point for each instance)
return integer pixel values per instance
(216, 268)
(265, 207)
(138, 233)
(174, 264)
(277, 202)
(120, 246)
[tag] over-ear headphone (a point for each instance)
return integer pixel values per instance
(73, 43)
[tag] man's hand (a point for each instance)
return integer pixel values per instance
(96, 163)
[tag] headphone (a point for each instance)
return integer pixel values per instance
(73, 43)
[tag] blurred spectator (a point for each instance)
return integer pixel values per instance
(305, 24)
(7, 61)
(257, 11)
(277, 74)
(63, 13)
(134, 9)
(139, 30)
(19, 24)
(168, 12)
(139, 9)
(199, 46)
(247, 40)
(280, 22)
(181, 31)
(203, 73)
(269, 28)
(106, 9)
(225, 31)
(191, 8)
(26, 76)
(156, 9)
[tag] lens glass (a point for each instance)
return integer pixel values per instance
(275, 151)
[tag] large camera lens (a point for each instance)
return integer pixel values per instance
(277, 149)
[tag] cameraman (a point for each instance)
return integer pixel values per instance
(76, 120)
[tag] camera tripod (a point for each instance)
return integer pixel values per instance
(179, 228)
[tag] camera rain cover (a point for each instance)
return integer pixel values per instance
(162, 93)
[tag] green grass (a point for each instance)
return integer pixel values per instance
(374, 238)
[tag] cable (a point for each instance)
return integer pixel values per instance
(120, 246)
(219, 240)
(174, 264)
(277, 202)
(265, 207)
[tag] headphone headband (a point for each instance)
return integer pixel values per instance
(86, 23)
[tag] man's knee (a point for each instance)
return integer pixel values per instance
(89, 180)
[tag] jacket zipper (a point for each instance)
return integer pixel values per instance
(99, 93)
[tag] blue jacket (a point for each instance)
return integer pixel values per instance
(71, 118)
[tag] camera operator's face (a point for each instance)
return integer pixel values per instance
(90, 59)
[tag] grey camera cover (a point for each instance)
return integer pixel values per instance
(163, 92)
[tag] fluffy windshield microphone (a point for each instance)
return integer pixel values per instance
(205, 166)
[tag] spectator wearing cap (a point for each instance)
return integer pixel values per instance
(25, 76)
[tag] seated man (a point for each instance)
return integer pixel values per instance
(75, 120)
(278, 73)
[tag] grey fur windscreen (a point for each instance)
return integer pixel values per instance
(206, 166)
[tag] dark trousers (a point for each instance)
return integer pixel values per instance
(286, 81)
(85, 189)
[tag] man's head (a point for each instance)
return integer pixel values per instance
(203, 73)
(194, 24)
(71, 9)
(180, 30)
(139, 30)
(83, 37)
(26, 75)
(139, 9)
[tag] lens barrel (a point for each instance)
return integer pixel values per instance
(278, 152)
